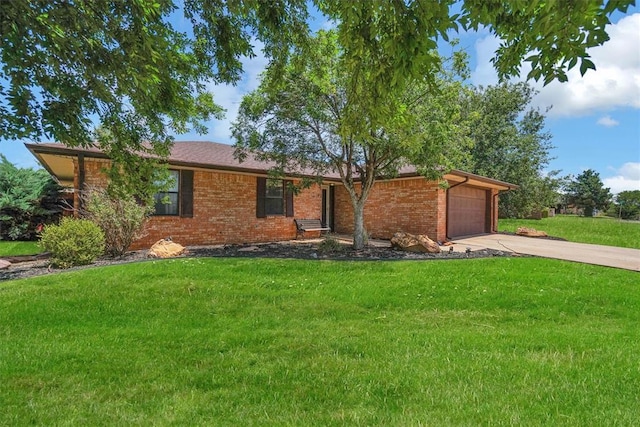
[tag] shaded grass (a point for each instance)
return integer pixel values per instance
(290, 342)
(597, 230)
(15, 248)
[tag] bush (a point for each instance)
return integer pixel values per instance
(73, 242)
(330, 245)
(121, 218)
(27, 198)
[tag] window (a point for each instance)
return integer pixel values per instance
(166, 202)
(178, 199)
(273, 198)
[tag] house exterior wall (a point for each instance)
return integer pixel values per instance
(224, 211)
(415, 206)
(93, 176)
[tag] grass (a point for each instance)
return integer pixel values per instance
(15, 248)
(497, 341)
(598, 230)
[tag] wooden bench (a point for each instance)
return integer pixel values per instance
(303, 225)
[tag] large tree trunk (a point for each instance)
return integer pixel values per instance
(359, 232)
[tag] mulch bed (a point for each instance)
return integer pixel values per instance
(290, 250)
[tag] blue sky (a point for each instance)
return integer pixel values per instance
(594, 120)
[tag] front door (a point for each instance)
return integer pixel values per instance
(327, 206)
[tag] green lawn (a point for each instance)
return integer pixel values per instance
(598, 230)
(498, 341)
(13, 248)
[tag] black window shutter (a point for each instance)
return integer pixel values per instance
(261, 190)
(186, 194)
(288, 202)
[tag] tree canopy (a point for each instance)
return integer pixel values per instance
(627, 204)
(302, 118)
(588, 192)
(128, 65)
(65, 64)
(512, 145)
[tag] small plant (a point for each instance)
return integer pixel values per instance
(330, 245)
(121, 218)
(73, 242)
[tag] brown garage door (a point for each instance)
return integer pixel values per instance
(467, 211)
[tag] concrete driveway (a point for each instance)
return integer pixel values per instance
(609, 256)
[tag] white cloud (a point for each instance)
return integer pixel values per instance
(615, 82)
(484, 73)
(607, 121)
(627, 178)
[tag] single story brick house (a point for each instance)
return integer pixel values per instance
(218, 200)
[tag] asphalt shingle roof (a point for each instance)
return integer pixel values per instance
(214, 155)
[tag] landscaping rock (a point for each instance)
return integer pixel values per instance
(4, 264)
(165, 249)
(530, 232)
(412, 243)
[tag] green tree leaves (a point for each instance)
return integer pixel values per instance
(552, 35)
(587, 192)
(65, 65)
(27, 197)
(511, 144)
(627, 204)
(315, 117)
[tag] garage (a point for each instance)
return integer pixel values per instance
(468, 211)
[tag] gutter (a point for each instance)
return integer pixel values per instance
(94, 154)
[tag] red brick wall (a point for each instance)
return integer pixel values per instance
(94, 176)
(224, 211)
(414, 206)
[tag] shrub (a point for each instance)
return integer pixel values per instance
(73, 242)
(330, 245)
(121, 218)
(28, 197)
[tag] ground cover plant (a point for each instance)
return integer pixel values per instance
(596, 230)
(203, 341)
(17, 248)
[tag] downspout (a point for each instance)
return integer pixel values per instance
(446, 223)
